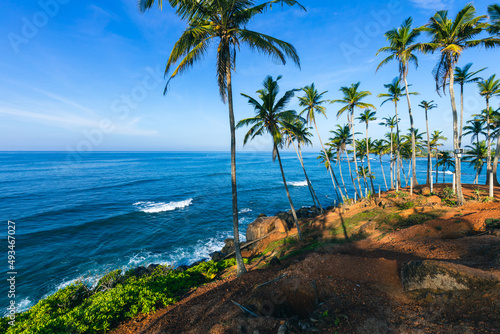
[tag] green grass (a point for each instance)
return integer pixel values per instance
(117, 297)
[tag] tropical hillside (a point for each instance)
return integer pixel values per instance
(385, 252)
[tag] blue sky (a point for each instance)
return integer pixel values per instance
(87, 75)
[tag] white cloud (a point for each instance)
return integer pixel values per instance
(433, 4)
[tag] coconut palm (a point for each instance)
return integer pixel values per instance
(475, 129)
(476, 156)
(391, 122)
(462, 77)
(494, 13)
(392, 138)
(428, 106)
(224, 21)
(435, 144)
(272, 117)
(365, 117)
(407, 146)
(450, 38)
(402, 48)
(299, 133)
(380, 148)
(489, 88)
(312, 103)
(495, 120)
(341, 139)
(395, 92)
(446, 161)
(352, 99)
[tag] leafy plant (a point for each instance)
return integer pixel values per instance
(448, 193)
(117, 297)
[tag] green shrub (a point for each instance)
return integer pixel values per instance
(77, 309)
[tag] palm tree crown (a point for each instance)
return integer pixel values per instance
(223, 21)
(494, 13)
(352, 98)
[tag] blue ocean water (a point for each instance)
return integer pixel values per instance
(79, 219)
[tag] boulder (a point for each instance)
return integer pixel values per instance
(151, 268)
(262, 226)
(287, 217)
(437, 277)
(217, 256)
(182, 268)
(426, 191)
(228, 246)
(261, 215)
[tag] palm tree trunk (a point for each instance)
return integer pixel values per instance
(354, 151)
(391, 165)
(458, 166)
(461, 114)
(444, 173)
(437, 167)
(404, 174)
(383, 174)
(329, 165)
(240, 266)
(398, 154)
(368, 159)
(342, 176)
(309, 184)
(495, 163)
(429, 158)
(307, 178)
(413, 149)
(350, 173)
(488, 140)
(294, 214)
(364, 174)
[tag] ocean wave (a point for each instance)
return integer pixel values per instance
(298, 183)
(245, 210)
(21, 306)
(154, 207)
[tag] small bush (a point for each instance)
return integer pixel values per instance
(407, 205)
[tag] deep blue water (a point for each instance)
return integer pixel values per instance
(81, 219)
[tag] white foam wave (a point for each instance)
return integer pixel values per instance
(153, 207)
(448, 172)
(184, 255)
(298, 183)
(245, 210)
(21, 306)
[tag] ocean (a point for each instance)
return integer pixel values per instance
(78, 219)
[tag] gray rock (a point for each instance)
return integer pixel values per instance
(217, 256)
(182, 268)
(437, 277)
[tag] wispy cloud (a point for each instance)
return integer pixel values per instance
(130, 128)
(433, 4)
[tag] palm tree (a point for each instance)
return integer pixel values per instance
(428, 106)
(326, 157)
(475, 129)
(391, 122)
(380, 148)
(299, 133)
(450, 38)
(365, 117)
(496, 134)
(407, 149)
(401, 48)
(494, 13)
(446, 161)
(476, 156)
(342, 138)
(352, 99)
(462, 76)
(395, 92)
(435, 145)
(271, 117)
(489, 88)
(223, 21)
(312, 104)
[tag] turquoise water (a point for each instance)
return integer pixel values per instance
(81, 219)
